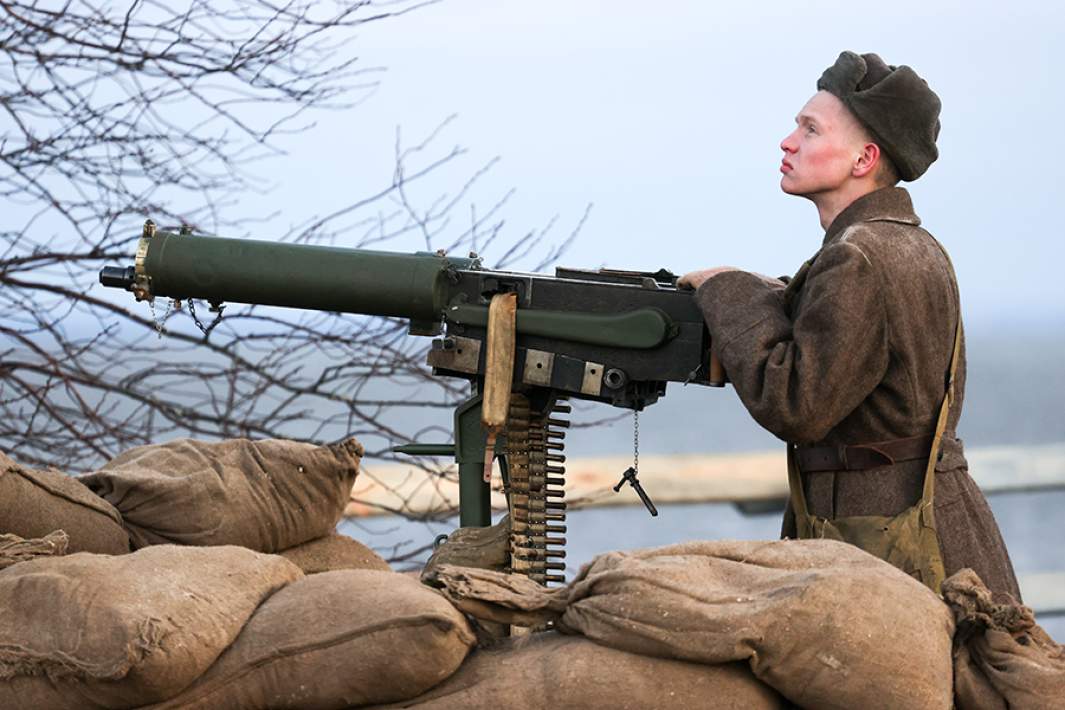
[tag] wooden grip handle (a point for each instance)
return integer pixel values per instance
(498, 371)
(499, 360)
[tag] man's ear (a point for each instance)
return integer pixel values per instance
(867, 162)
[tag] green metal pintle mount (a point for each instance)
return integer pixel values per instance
(475, 509)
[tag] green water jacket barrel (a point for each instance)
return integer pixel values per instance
(299, 275)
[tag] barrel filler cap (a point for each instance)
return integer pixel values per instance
(142, 282)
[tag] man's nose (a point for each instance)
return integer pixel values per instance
(788, 145)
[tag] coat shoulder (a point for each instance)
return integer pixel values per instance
(876, 232)
(892, 246)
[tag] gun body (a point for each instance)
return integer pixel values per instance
(616, 341)
(609, 336)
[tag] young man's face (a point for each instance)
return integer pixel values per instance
(820, 154)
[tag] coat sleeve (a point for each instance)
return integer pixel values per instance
(800, 374)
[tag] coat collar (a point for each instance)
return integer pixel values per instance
(888, 204)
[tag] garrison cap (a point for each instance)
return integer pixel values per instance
(897, 106)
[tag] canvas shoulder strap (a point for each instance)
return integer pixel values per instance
(948, 397)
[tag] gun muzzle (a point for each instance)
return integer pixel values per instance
(118, 277)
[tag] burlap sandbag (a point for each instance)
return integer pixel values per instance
(14, 549)
(334, 640)
(264, 495)
(826, 624)
(484, 548)
(1002, 658)
(120, 631)
(334, 552)
(35, 503)
(548, 671)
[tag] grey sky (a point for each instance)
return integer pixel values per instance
(668, 116)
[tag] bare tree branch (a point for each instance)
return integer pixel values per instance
(111, 114)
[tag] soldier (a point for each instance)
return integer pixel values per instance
(850, 361)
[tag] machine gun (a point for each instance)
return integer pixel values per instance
(526, 342)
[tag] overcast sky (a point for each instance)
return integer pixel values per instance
(667, 117)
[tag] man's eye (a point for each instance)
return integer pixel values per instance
(811, 129)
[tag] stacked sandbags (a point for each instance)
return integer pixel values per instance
(265, 495)
(334, 552)
(548, 671)
(34, 503)
(824, 623)
(334, 640)
(89, 630)
(205, 623)
(1002, 658)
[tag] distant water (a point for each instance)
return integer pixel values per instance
(1031, 523)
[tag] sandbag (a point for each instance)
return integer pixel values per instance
(481, 547)
(1002, 658)
(547, 671)
(334, 552)
(89, 630)
(34, 503)
(334, 640)
(824, 623)
(264, 495)
(14, 549)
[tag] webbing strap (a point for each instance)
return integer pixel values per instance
(941, 423)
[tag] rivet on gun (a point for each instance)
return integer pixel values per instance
(615, 378)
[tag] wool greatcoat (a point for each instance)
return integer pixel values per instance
(855, 350)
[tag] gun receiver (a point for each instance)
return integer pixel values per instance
(616, 337)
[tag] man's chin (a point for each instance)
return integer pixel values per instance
(793, 187)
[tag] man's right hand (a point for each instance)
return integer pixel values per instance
(695, 279)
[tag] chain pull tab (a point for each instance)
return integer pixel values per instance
(630, 473)
(630, 477)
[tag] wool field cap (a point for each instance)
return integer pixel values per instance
(895, 104)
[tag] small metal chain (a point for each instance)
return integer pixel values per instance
(155, 319)
(206, 330)
(635, 441)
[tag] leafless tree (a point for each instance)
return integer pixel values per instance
(112, 115)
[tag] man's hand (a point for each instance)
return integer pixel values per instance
(695, 279)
